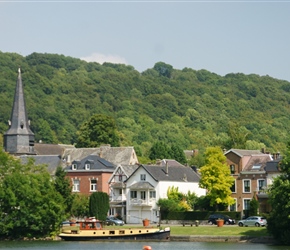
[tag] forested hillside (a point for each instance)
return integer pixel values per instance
(192, 109)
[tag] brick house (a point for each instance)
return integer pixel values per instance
(248, 169)
(90, 174)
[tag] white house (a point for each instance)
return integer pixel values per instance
(117, 189)
(148, 183)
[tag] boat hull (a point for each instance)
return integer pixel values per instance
(131, 235)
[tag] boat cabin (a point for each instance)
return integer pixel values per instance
(90, 224)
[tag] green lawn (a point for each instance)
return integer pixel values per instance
(226, 230)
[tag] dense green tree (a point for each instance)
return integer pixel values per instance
(197, 160)
(216, 177)
(279, 198)
(178, 154)
(80, 206)
(188, 108)
(45, 133)
(177, 201)
(30, 205)
(254, 206)
(98, 130)
(63, 186)
(99, 205)
(203, 203)
(163, 69)
(159, 150)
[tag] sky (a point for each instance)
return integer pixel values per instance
(250, 37)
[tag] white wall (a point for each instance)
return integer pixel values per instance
(135, 214)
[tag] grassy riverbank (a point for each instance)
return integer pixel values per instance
(219, 231)
(212, 230)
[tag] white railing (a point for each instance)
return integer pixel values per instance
(141, 202)
(118, 198)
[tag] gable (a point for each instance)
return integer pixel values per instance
(169, 173)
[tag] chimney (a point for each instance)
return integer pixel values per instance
(185, 178)
(194, 168)
(166, 168)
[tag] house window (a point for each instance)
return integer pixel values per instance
(233, 207)
(133, 194)
(120, 177)
(152, 194)
(233, 187)
(93, 185)
(143, 177)
(87, 166)
(247, 186)
(261, 184)
(120, 191)
(76, 185)
(247, 204)
(232, 168)
(143, 195)
(74, 166)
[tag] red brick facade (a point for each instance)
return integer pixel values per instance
(85, 178)
(246, 182)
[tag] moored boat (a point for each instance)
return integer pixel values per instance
(92, 229)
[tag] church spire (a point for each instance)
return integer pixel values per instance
(19, 139)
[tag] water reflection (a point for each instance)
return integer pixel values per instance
(65, 245)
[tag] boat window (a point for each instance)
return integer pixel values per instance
(98, 224)
(121, 231)
(112, 232)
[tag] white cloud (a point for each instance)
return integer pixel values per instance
(101, 58)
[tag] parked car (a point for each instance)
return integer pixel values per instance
(227, 219)
(111, 220)
(253, 221)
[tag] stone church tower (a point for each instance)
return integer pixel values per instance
(19, 139)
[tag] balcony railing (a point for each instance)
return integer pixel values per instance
(117, 198)
(141, 202)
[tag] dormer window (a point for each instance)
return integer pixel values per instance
(87, 166)
(74, 166)
(256, 167)
(232, 168)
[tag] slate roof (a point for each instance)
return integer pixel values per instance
(244, 152)
(169, 162)
(96, 163)
(141, 185)
(273, 166)
(50, 149)
(175, 173)
(19, 120)
(52, 161)
(116, 155)
(129, 169)
(73, 154)
(257, 162)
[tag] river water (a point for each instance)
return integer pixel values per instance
(68, 245)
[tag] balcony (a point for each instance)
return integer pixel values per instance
(117, 198)
(141, 202)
